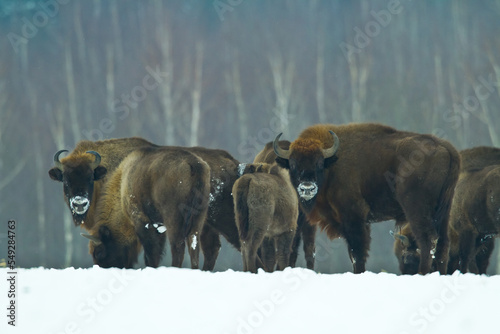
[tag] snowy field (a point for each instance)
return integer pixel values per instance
(296, 300)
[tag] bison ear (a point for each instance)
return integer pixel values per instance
(56, 174)
(99, 172)
(283, 163)
(329, 161)
(104, 233)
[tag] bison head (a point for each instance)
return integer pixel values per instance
(78, 173)
(307, 161)
(110, 249)
(407, 252)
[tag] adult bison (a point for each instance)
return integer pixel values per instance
(83, 174)
(84, 171)
(266, 207)
(347, 176)
(475, 212)
(156, 192)
(305, 231)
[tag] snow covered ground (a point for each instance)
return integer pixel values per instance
(296, 300)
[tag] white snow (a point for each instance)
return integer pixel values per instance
(296, 300)
(161, 229)
(194, 242)
(241, 168)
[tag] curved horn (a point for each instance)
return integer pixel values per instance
(282, 153)
(330, 152)
(95, 240)
(403, 238)
(97, 159)
(56, 159)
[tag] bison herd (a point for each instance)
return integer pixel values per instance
(131, 195)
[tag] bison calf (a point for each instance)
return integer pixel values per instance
(265, 207)
(475, 212)
(154, 193)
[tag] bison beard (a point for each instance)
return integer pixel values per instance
(349, 163)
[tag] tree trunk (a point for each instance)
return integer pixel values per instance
(196, 95)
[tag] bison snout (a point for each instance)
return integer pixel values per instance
(79, 204)
(307, 190)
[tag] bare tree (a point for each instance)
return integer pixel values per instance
(196, 93)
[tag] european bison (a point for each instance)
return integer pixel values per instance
(406, 250)
(155, 192)
(304, 229)
(83, 173)
(75, 171)
(347, 176)
(265, 207)
(475, 212)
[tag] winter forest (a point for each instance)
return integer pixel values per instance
(229, 74)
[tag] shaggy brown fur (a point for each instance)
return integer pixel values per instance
(156, 192)
(304, 230)
(79, 179)
(266, 207)
(475, 212)
(378, 173)
(220, 216)
(406, 250)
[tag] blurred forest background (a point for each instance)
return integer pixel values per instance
(229, 74)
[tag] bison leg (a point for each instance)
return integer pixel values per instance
(357, 235)
(177, 247)
(152, 242)
(295, 246)
(210, 246)
(194, 250)
(483, 255)
(467, 249)
(442, 252)
(283, 246)
(249, 249)
(309, 238)
(268, 254)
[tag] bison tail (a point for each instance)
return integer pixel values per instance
(197, 200)
(442, 213)
(241, 207)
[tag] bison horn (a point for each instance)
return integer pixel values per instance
(403, 238)
(95, 240)
(56, 159)
(97, 159)
(330, 152)
(282, 153)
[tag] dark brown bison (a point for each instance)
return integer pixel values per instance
(347, 176)
(75, 171)
(304, 229)
(265, 207)
(83, 173)
(156, 192)
(475, 212)
(406, 250)
(220, 216)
